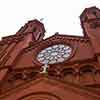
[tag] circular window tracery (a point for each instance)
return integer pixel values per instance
(54, 54)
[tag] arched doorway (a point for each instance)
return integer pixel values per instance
(40, 96)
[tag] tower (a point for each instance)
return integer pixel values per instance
(90, 21)
(11, 46)
(31, 32)
(35, 27)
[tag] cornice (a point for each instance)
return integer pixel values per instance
(11, 39)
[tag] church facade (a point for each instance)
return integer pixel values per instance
(61, 67)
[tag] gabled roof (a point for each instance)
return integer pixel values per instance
(57, 35)
(78, 44)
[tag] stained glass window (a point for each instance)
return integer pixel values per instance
(54, 54)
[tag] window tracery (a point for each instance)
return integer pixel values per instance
(54, 54)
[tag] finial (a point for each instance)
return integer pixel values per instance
(41, 19)
(56, 33)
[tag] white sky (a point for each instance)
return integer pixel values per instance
(59, 15)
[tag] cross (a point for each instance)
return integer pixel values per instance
(44, 68)
(41, 19)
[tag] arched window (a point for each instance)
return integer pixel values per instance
(87, 75)
(68, 74)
